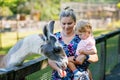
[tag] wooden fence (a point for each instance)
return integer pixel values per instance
(19, 73)
(102, 40)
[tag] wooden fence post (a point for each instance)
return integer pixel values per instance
(119, 48)
(0, 40)
(103, 60)
(23, 78)
(9, 75)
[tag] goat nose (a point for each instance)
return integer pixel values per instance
(56, 49)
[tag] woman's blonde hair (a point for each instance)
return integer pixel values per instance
(68, 12)
(83, 26)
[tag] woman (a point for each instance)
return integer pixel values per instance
(69, 41)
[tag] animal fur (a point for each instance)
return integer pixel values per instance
(45, 44)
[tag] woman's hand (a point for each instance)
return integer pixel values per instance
(79, 59)
(53, 65)
(61, 73)
(92, 58)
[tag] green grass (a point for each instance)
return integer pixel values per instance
(44, 74)
(99, 32)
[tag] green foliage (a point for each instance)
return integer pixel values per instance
(49, 9)
(8, 3)
(11, 5)
(73, 0)
(5, 6)
(5, 11)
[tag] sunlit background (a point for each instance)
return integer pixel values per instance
(19, 18)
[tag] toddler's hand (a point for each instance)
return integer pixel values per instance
(81, 51)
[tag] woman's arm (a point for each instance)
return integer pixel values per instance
(93, 58)
(77, 59)
(81, 58)
(53, 65)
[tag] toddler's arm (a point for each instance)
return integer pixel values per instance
(88, 52)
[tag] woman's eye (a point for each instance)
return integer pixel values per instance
(69, 23)
(63, 23)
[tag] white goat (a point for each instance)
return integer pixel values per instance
(46, 44)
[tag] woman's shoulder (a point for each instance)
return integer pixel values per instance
(57, 34)
(76, 38)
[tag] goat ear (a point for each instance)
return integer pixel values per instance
(51, 26)
(45, 32)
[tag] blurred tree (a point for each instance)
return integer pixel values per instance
(73, 0)
(5, 11)
(92, 1)
(10, 6)
(48, 9)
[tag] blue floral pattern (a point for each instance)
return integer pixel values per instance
(70, 49)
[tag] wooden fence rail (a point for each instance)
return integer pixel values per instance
(19, 73)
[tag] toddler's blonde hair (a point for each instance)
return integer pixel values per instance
(83, 26)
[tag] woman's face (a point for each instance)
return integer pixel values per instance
(67, 24)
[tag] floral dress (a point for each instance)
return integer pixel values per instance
(70, 50)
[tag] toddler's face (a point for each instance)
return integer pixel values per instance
(83, 35)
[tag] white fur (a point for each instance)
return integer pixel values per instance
(32, 45)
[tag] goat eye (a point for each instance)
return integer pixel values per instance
(41, 46)
(53, 39)
(57, 49)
